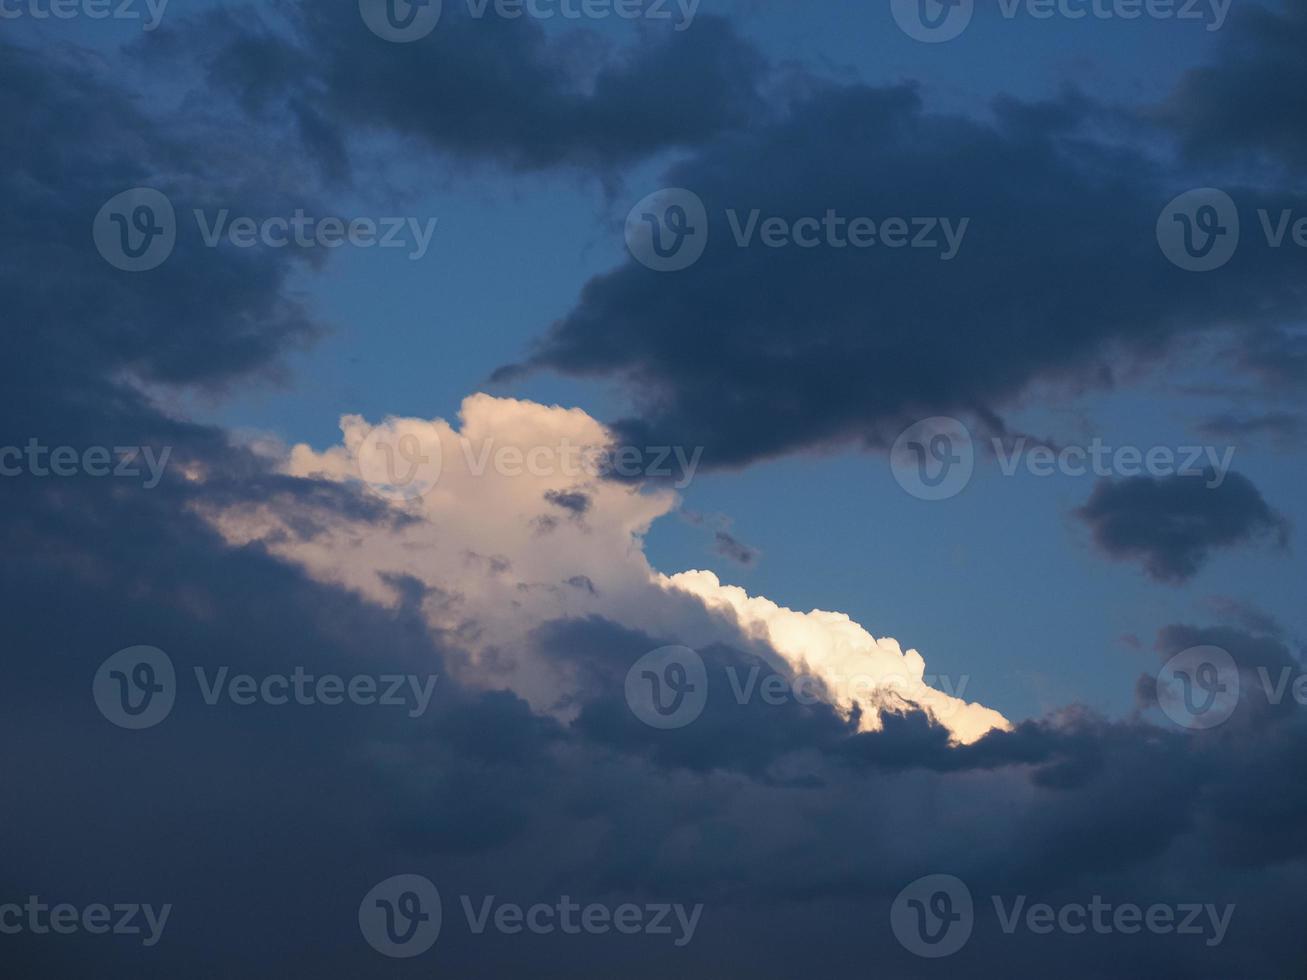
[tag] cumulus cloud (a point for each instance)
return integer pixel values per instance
(491, 572)
(861, 672)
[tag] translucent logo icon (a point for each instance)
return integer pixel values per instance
(1199, 688)
(136, 687)
(400, 917)
(668, 230)
(933, 459)
(668, 688)
(1199, 230)
(136, 231)
(401, 21)
(933, 917)
(400, 465)
(932, 21)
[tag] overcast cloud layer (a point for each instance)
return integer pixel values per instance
(530, 598)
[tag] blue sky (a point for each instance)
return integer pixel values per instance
(511, 253)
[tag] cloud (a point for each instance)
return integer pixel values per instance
(206, 316)
(271, 826)
(758, 351)
(728, 546)
(1246, 615)
(478, 89)
(1284, 428)
(473, 541)
(1248, 103)
(1173, 524)
(863, 674)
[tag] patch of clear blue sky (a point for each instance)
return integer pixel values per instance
(999, 583)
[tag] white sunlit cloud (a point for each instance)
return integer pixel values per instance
(499, 558)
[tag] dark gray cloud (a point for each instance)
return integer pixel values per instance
(1283, 428)
(1172, 525)
(265, 828)
(758, 351)
(575, 501)
(74, 139)
(1250, 103)
(487, 88)
(1278, 358)
(728, 546)
(1246, 615)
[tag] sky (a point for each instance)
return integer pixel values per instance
(985, 497)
